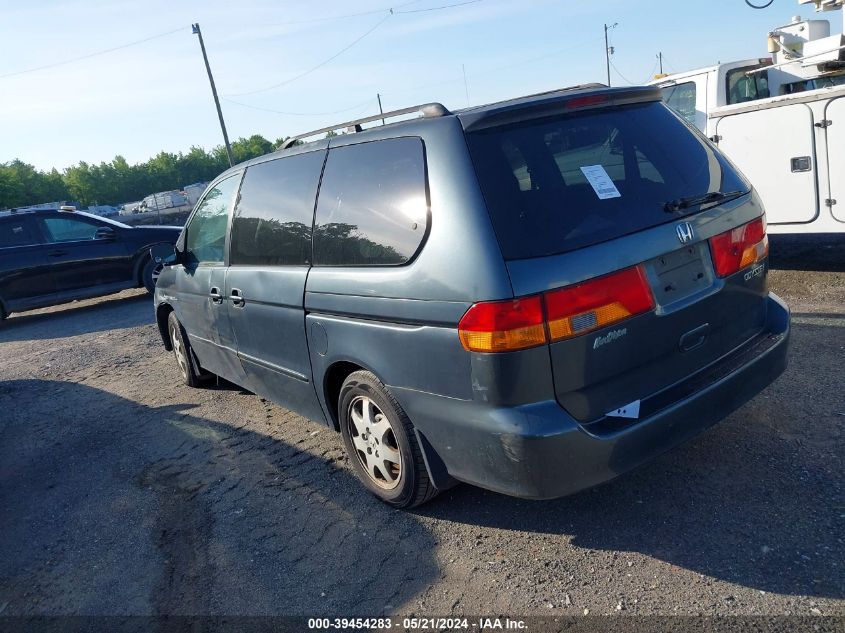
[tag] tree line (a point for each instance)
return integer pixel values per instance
(117, 181)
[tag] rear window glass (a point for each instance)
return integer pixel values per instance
(16, 232)
(556, 185)
(373, 208)
(272, 224)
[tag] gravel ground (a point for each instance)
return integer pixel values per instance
(124, 492)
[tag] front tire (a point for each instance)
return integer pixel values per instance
(381, 443)
(192, 374)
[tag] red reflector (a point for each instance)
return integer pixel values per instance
(502, 326)
(581, 102)
(739, 247)
(597, 303)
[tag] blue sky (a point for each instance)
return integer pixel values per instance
(141, 99)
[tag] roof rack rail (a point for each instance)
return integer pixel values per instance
(428, 110)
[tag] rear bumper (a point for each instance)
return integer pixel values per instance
(539, 451)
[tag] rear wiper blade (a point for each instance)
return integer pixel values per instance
(689, 201)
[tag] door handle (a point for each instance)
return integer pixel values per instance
(215, 295)
(57, 253)
(237, 298)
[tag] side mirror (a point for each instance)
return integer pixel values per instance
(164, 254)
(105, 233)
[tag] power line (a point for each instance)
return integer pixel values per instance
(318, 66)
(481, 73)
(253, 107)
(390, 12)
(445, 6)
(495, 69)
(668, 65)
(90, 55)
(395, 9)
(651, 74)
(630, 83)
(344, 16)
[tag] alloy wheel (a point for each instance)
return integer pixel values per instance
(156, 273)
(179, 350)
(375, 443)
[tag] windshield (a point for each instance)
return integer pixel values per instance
(556, 185)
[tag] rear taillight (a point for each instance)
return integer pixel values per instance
(739, 247)
(504, 326)
(597, 303)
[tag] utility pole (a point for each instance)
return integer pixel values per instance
(660, 57)
(381, 111)
(466, 87)
(196, 30)
(608, 51)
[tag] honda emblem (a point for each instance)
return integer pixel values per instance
(684, 231)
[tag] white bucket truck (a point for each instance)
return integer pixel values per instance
(781, 120)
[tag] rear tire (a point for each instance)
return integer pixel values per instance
(381, 443)
(192, 374)
(149, 275)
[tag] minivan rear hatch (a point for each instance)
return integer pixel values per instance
(608, 205)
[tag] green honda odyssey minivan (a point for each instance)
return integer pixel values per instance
(532, 296)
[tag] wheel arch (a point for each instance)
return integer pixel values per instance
(162, 313)
(333, 380)
(142, 256)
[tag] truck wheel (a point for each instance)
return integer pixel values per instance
(192, 373)
(149, 275)
(381, 443)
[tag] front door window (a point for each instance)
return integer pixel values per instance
(68, 229)
(206, 233)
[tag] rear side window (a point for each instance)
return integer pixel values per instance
(373, 208)
(16, 232)
(563, 183)
(681, 98)
(272, 224)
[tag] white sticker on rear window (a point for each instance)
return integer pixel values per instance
(600, 182)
